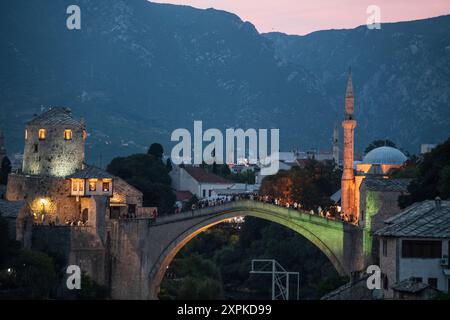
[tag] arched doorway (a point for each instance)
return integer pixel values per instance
(85, 215)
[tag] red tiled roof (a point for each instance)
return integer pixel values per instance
(203, 176)
(184, 195)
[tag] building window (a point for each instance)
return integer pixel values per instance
(35, 148)
(433, 282)
(42, 134)
(384, 248)
(209, 192)
(421, 249)
(105, 186)
(204, 193)
(77, 185)
(67, 134)
(92, 185)
(84, 134)
(26, 134)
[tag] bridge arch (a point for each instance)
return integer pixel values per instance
(329, 236)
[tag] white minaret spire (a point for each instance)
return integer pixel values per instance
(348, 177)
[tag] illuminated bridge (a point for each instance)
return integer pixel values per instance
(150, 246)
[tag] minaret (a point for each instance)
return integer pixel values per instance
(348, 177)
(336, 145)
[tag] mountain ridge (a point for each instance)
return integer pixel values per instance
(138, 70)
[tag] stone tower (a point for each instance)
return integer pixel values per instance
(348, 177)
(336, 145)
(54, 144)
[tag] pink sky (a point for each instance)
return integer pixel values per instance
(302, 17)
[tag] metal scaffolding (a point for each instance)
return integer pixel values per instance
(280, 277)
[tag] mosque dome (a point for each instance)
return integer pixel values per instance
(384, 155)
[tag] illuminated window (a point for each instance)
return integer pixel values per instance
(84, 134)
(67, 134)
(92, 185)
(77, 185)
(105, 187)
(42, 134)
(26, 134)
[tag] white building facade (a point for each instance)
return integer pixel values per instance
(197, 181)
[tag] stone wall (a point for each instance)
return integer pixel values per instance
(44, 194)
(53, 156)
(74, 246)
(389, 264)
(376, 206)
(132, 248)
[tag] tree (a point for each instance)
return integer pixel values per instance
(210, 289)
(408, 170)
(150, 176)
(310, 186)
(5, 170)
(34, 272)
(139, 166)
(8, 247)
(155, 194)
(156, 150)
(432, 177)
(91, 290)
(379, 143)
(224, 171)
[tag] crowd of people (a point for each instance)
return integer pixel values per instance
(220, 200)
(333, 213)
(53, 221)
(75, 222)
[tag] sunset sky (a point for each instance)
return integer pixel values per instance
(302, 17)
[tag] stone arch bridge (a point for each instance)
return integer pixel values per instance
(141, 250)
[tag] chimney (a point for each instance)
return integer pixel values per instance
(438, 202)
